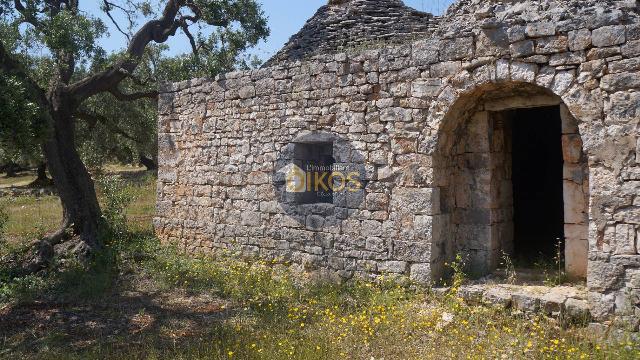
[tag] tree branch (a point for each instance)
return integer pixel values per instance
(93, 119)
(28, 16)
(151, 94)
(155, 30)
(107, 10)
(192, 41)
(13, 67)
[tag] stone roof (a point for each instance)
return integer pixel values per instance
(344, 24)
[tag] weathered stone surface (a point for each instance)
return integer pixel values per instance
(522, 48)
(608, 36)
(604, 276)
(551, 45)
(523, 71)
(456, 49)
(620, 81)
(426, 88)
(579, 39)
(632, 48)
(540, 29)
(425, 52)
(421, 273)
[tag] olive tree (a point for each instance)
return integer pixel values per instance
(70, 36)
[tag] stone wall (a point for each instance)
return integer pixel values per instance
(398, 107)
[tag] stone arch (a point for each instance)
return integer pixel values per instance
(472, 169)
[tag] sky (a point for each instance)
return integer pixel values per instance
(286, 17)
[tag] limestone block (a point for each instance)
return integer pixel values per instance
(577, 309)
(315, 222)
(445, 69)
(516, 33)
(574, 203)
(571, 148)
(425, 52)
(476, 237)
(502, 70)
(375, 244)
(540, 29)
(396, 267)
(523, 71)
(395, 114)
(497, 296)
(411, 251)
(371, 228)
(545, 76)
(576, 231)
(492, 42)
(423, 225)
(419, 201)
(568, 58)
(426, 88)
(595, 68)
(603, 276)
(551, 45)
(633, 32)
(623, 106)
(579, 39)
(403, 145)
(629, 65)
(631, 48)
(603, 53)
(420, 273)
(620, 81)
(562, 82)
(522, 48)
(625, 240)
(608, 36)
(575, 252)
(525, 302)
(456, 49)
(601, 305)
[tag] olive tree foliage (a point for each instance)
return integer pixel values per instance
(21, 125)
(79, 74)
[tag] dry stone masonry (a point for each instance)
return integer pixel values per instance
(433, 121)
(356, 24)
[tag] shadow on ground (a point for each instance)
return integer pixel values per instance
(166, 318)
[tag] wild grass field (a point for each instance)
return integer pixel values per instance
(145, 300)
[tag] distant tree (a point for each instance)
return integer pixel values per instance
(69, 39)
(22, 126)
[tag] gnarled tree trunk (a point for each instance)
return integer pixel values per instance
(81, 210)
(41, 173)
(150, 164)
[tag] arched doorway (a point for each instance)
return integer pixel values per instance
(513, 181)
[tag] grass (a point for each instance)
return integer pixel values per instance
(29, 215)
(144, 300)
(33, 216)
(22, 179)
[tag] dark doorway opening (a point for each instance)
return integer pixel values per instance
(537, 184)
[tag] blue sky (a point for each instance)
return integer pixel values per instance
(286, 17)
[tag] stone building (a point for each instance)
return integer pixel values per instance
(500, 127)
